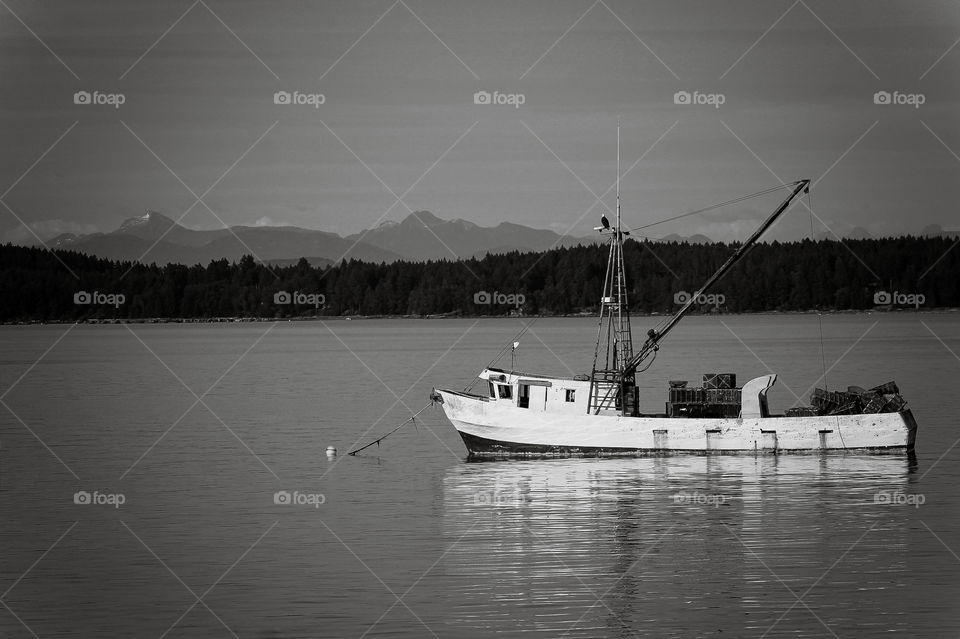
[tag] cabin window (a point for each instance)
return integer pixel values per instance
(571, 392)
(493, 392)
(523, 396)
(505, 391)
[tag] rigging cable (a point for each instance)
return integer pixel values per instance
(712, 207)
(502, 351)
(823, 361)
(652, 359)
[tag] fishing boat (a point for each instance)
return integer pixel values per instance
(523, 414)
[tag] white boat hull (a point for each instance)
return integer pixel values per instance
(498, 429)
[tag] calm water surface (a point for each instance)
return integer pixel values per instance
(196, 428)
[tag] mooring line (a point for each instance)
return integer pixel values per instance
(413, 418)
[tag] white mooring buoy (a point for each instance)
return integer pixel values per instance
(331, 451)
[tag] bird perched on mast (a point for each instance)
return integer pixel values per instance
(605, 222)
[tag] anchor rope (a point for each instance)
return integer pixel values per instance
(412, 418)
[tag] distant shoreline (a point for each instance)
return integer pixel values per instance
(249, 320)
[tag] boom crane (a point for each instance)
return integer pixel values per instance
(654, 335)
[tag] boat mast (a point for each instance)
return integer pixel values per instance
(609, 385)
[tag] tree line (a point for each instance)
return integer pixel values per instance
(42, 285)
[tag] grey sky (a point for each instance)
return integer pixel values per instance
(199, 79)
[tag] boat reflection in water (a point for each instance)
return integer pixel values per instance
(675, 545)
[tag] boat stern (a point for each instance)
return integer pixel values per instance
(910, 422)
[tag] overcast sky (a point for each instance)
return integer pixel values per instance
(797, 82)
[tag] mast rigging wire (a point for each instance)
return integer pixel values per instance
(713, 206)
(493, 361)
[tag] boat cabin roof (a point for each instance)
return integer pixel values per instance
(490, 374)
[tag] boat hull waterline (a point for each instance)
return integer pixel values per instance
(498, 429)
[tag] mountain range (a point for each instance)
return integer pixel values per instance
(935, 230)
(155, 238)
